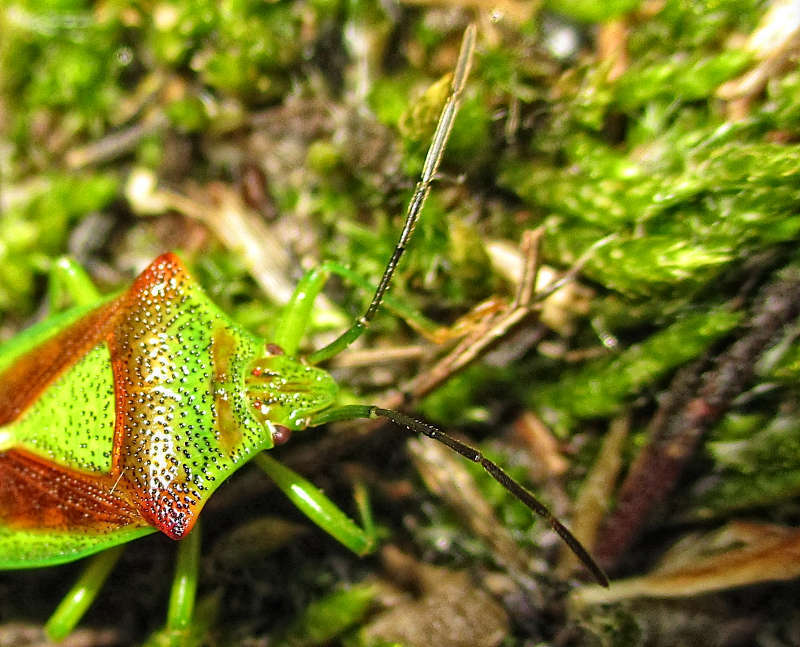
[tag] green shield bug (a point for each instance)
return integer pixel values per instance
(121, 416)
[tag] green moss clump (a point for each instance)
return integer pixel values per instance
(35, 230)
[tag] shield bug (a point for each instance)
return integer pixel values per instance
(120, 416)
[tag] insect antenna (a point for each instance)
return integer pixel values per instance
(495, 471)
(421, 191)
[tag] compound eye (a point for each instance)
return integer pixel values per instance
(281, 435)
(274, 349)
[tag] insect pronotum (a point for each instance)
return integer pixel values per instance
(120, 416)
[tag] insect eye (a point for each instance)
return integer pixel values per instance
(281, 435)
(274, 349)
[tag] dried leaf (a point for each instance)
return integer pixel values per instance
(740, 554)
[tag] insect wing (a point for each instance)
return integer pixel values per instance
(50, 514)
(57, 495)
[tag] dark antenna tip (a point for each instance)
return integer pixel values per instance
(498, 474)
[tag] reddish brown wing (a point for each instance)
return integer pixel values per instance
(36, 494)
(33, 492)
(29, 375)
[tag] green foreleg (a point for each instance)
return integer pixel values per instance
(181, 629)
(297, 313)
(184, 586)
(294, 320)
(320, 509)
(70, 285)
(412, 317)
(82, 594)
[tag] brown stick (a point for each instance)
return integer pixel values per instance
(696, 401)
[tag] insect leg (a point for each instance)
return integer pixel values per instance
(70, 285)
(320, 509)
(183, 628)
(184, 585)
(297, 313)
(294, 321)
(82, 594)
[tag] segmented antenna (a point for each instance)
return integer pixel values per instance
(353, 411)
(497, 473)
(421, 191)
